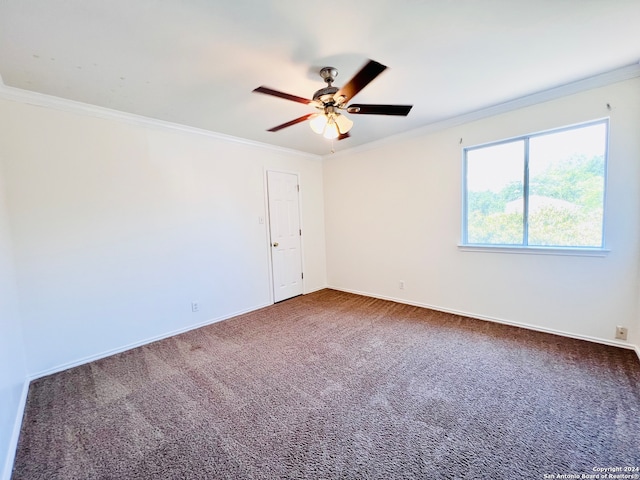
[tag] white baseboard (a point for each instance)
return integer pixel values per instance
(8, 467)
(13, 445)
(114, 351)
(15, 435)
(124, 348)
(527, 326)
(315, 290)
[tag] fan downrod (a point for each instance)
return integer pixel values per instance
(325, 95)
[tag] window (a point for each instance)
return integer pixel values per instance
(540, 190)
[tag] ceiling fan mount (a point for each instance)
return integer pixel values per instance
(330, 100)
(329, 74)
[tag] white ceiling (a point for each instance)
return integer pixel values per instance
(196, 62)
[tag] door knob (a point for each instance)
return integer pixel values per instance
(276, 244)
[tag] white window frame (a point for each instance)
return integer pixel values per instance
(525, 248)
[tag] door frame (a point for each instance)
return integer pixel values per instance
(268, 228)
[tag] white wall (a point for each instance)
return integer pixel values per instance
(118, 227)
(393, 212)
(12, 361)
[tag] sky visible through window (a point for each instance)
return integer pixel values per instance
(492, 168)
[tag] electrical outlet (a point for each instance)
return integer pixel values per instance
(195, 307)
(401, 285)
(621, 333)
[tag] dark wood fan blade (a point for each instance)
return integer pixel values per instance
(292, 122)
(286, 96)
(342, 136)
(360, 80)
(370, 109)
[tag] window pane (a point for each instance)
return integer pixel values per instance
(566, 187)
(495, 194)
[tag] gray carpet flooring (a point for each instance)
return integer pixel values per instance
(338, 386)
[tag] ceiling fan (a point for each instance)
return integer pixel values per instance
(330, 101)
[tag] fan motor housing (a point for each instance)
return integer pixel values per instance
(325, 95)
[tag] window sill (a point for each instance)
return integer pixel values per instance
(567, 251)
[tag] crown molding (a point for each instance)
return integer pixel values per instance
(620, 74)
(49, 101)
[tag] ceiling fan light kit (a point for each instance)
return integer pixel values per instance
(329, 122)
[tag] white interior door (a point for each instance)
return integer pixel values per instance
(284, 224)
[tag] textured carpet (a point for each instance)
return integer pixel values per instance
(333, 385)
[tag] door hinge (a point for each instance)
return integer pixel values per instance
(300, 232)
(298, 187)
(302, 274)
